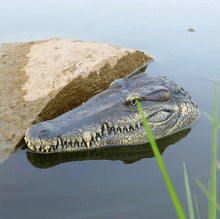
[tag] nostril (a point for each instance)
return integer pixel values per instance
(42, 130)
(44, 133)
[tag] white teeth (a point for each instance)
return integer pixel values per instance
(99, 131)
(54, 142)
(110, 124)
(133, 126)
(47, 148)
(88, 145)
(67, 142)
(84, 139)
(37, 147)
(116, 128)
(128, 128)
(73, 141)
(64, 144)
(59, 142)
(31, 147)
(87, 136)
(105, 133)
(80, 141)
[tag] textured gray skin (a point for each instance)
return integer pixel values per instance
(112, 118)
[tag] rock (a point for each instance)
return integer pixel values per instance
(191, 29)
(43, 79)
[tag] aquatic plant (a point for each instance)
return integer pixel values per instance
(210, 193)
(160, 162)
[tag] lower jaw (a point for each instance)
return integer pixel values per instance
(128, 138)
(108, 136)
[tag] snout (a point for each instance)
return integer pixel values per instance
(36, 136)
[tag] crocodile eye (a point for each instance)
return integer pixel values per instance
(133, 102)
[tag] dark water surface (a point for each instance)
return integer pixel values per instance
(123, 183)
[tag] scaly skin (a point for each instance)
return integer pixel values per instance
(112, 118)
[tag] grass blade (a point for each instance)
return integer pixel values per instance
(209, 199)
(218, 164)
(197, 209)
(214, 155)
(205, 191)
(188, 193)
(210, 118)
(160, 162)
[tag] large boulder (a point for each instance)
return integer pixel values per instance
(43, 79)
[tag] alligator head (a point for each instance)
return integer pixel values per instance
(112, 117)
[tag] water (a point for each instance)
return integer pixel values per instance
(105, 184)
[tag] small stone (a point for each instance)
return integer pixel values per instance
(191, 29)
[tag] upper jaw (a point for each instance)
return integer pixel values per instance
(82, 139)
(46, 138)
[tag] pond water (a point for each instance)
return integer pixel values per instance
(123, 183)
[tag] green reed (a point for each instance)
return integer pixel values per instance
(214, 157)
(188, 193)
(160, 162)
(212, 195)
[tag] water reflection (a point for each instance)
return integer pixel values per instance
(127, 154)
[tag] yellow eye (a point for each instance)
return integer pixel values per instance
(131, 99)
